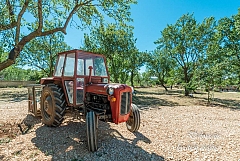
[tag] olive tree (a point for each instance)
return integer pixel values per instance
(159, 64)
(186, 42)
(24, 20)
(41, 53)
(116, 42)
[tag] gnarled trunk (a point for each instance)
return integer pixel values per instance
(13, 54)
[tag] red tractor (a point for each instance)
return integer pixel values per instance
(80, 83)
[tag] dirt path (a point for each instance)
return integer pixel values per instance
(171, 132)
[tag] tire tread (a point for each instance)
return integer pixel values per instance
(59, 105)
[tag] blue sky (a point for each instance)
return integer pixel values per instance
(152, 16)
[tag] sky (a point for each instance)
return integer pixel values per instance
(150, 17)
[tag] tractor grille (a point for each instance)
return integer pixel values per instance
(125, 103)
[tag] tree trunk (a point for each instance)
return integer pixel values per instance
(186, 81)
(208, 96)
(162, 83)
(131, 78)
(164, 87)
(238, 79)
(51, 72)
(13, 54)
(186, 92)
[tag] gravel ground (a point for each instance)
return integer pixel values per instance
(166, 133)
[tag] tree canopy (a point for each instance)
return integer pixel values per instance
(189, 52)
(41, 53)
(24, 20)
(159, 64)
(186, 42)
(117, 43)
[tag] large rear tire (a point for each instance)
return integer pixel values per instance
(92, 125)
(133, 122)
(53, 105)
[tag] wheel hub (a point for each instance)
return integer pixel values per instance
(48, 105)
(130, 121)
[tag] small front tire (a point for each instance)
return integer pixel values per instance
(92, 124)
(133, 122)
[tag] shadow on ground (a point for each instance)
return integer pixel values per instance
(225, 103)
(234, 104)
(152, 101)
(69, 142)
(176, 98)
(159, 92)
(13, 96)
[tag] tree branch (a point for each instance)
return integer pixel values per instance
(38, 33)
(6, 64)
(20, 44)
(40, 67)
(11, 17)
(72, 13)
(8, 26)
(40, 18)
(11, 13)
(18, 25)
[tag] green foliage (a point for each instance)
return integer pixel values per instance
(136, 60)
(189, 53)
(229, 45)
(186, 42)
(3, 55)
(159, 64)
(15, 73)
(117, 43)
(41, 53)
(23, 21)
(146, 79)
(220, 66)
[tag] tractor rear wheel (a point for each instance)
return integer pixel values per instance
(92, 125)
(133, 122)
(53, 105)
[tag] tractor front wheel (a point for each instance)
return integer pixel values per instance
(133, 122)
(92, 125)
(53, 105)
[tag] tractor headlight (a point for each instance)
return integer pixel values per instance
(132, 89)
(110, 91)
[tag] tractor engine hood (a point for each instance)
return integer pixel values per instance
(108, 89)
